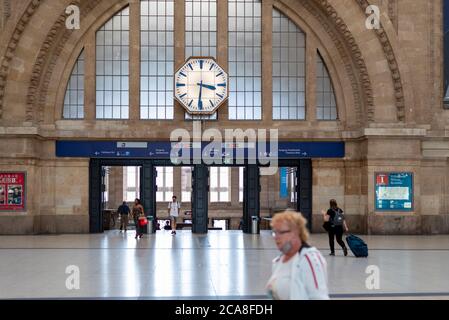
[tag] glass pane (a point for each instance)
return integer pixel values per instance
(186, 196)
(74, 97)
(224, 196)
(160, 57)
(244, 48)
(326, 107)
(130, 196)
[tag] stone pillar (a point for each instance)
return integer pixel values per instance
(89, 77)
(311, 56)
(200, 197)
(274, 191)
(266, 194)
(267, 61)
(115, 187)
(235, 187)
(222, 48)
(180, 9)
(134, 59)
(251, 206)
(177, 190)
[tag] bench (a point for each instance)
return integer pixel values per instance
(183, 225)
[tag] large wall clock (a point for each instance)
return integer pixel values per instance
(201, 85)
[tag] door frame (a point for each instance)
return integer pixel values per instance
(304, 186)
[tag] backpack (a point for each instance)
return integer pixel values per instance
(338, 218)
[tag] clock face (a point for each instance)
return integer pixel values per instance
(201, 85)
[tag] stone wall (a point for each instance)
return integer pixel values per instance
(388, 86)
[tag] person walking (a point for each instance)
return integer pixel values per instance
(335, 225)
(300, 272)
(173, 211)
(123, 210)
(137, 212)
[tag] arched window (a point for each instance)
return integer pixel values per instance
(157, 59)
(289, 74)
(112, 64)
(245, 59)
(74, 95)
(326, 107)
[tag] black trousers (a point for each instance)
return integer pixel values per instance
(337, 232)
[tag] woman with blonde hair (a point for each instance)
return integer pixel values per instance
(300, 272)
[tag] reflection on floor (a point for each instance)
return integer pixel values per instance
(219, 265)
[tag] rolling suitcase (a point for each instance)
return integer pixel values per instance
(357, 246)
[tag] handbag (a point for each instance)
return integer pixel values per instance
(326, 224)
(143, 221)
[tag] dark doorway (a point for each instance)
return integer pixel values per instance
(199, 191)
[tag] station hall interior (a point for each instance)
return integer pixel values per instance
(225, 207)
(108, 101)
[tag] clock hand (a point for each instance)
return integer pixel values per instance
(200, 103)
(206, 86)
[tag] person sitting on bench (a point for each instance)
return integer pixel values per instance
(167, 225)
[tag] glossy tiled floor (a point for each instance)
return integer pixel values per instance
(219, 265)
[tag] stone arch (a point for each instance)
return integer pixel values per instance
(6, 58)
(351, 55)
(336, 70)
(55, 51)
(41, 77)
(341, 73)
(396, 62)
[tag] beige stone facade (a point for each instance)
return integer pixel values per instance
(388, 86)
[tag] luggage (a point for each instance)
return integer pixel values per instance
(357, 246)
(143, 221)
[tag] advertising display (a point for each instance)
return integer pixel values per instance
(12, 191)
(394, 191)
(283, 190)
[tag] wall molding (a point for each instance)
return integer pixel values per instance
(320, 9)
(393, 13)
(46, 61)
(5, 11)
(334, 25)
(392, 64)
(5, 61)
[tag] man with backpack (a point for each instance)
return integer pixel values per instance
(335, 225)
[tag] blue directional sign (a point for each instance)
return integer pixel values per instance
(283, 189)
(163, 150)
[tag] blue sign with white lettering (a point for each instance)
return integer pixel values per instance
(163, 150)
(394, 191)
(283, 190)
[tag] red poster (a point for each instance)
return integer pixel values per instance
(12, 191)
